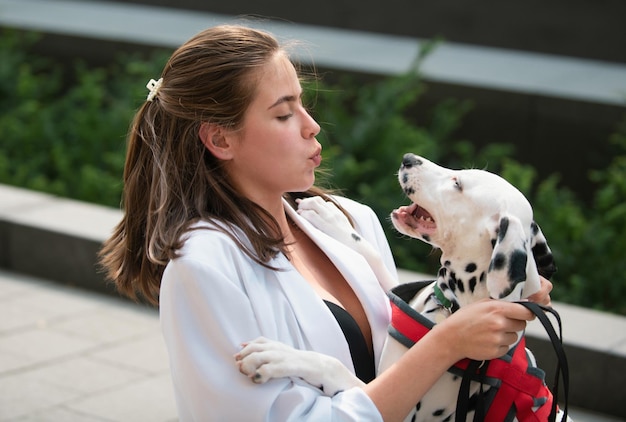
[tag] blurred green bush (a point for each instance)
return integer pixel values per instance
(62, 130)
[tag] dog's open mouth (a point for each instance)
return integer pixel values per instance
(417, 218)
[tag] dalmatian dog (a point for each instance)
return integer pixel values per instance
(490, 248)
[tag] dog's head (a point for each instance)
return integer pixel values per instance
(478, 220)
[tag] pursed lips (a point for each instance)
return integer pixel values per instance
(317, 157)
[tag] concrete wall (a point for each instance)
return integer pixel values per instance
(578, 28)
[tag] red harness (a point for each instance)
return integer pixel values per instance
(516, 389)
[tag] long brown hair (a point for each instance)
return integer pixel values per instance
(170, 179)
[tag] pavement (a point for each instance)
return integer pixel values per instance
(67, 354)
(72, 355)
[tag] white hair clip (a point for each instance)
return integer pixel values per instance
(153, 86)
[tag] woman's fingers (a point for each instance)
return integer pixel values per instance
(486, 329)
(542, 297)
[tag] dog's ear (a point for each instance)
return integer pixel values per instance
(541, 252)
(512, 271)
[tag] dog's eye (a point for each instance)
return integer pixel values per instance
(457, 183)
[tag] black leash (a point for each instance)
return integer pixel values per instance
(562, 370)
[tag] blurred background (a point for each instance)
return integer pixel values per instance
(533, 90)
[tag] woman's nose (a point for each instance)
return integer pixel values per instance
(310, 128)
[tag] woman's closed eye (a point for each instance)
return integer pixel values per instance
(284, 117)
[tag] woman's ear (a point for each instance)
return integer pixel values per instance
(215, 140)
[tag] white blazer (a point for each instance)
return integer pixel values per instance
(214, 297)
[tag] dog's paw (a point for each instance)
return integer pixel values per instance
(262, 359)
(326, 217)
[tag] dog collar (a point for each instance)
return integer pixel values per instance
(445, 302)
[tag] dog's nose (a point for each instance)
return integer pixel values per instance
(410, 160)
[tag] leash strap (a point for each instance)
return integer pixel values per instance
(463, 402)
(562, 367)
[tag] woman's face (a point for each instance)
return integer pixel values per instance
(276, 150)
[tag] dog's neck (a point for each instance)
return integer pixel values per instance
(462, 279)
(460, 287)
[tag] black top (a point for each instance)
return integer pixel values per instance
(361, 358)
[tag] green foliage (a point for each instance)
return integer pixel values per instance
(587, 240)
(65, 139)
(69, 139)
(369, 128)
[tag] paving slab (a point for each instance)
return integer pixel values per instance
(71, 355)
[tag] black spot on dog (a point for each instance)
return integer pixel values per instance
(446, 264)
(534, 228)
(498, 262)
(356, 237)
(426, 237)
(460, 285)
(544, 259)
(483, 277)
(540, 249)
(493, 243)
(452, 282)
(455, 306)
(409, 191)
(504, 227)
(438, 412)
(443, 287)
(517, 266)
(442, 272)
(448, 419)
(472, 284)
(470, 268)
(405, 178)
(516, 271)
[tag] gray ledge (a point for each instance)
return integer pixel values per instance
(454, 63)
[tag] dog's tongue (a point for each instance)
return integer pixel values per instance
(423, 217)
(419, 212)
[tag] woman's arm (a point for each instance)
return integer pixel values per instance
(208, 308)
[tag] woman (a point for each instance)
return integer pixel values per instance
(217, 157)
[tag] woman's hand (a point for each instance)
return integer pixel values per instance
(542, 297)
(483, 330)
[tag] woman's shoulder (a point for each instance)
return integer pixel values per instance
(213, 237)
(210, 247)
